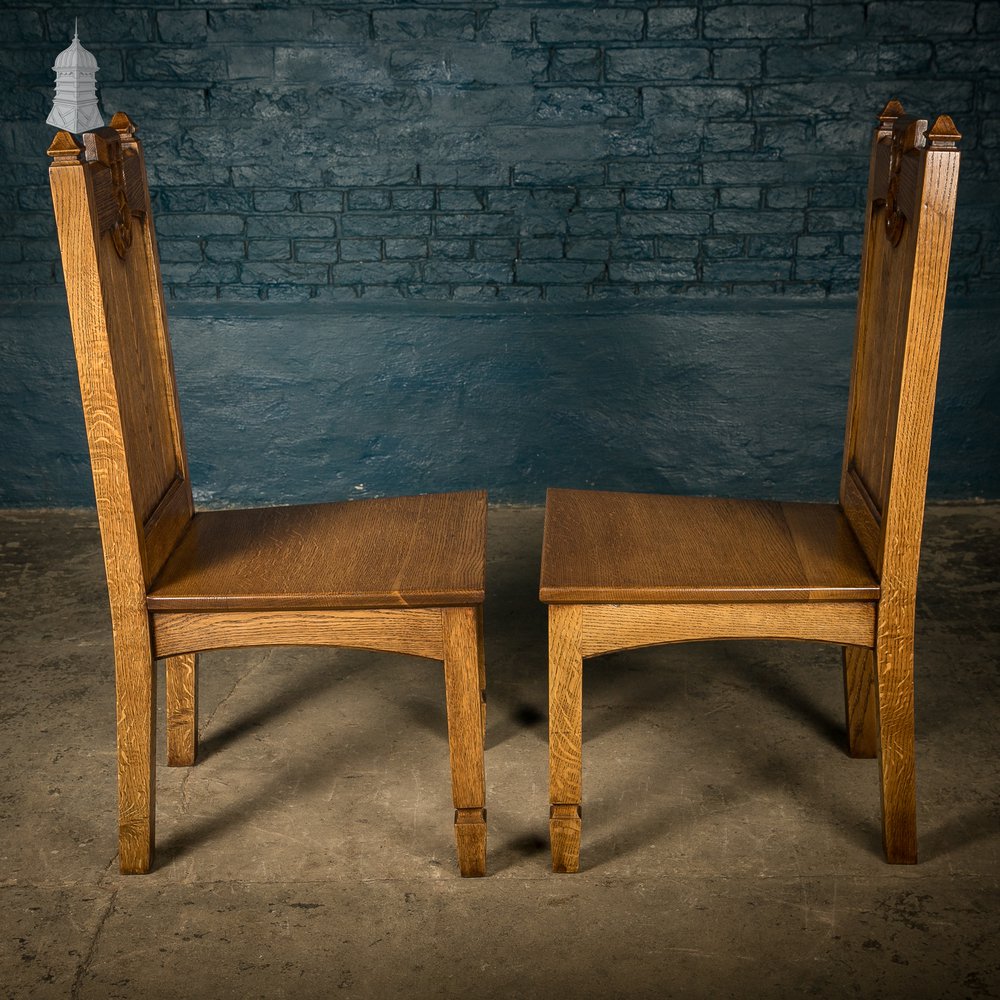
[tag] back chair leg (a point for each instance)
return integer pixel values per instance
(897, 770)
(481, 646)
(565, 736)
(182, 709)
(464, 696)
(135, 700)
(859, 701)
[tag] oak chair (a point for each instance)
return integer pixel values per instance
(621, 571)
(404, 575)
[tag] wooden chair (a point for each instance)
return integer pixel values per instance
(404, 575)
(620, 570)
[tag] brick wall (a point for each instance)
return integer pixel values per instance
(505, 151)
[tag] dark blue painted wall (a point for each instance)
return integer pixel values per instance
(503, 244)
(443, 150)
(309, 402)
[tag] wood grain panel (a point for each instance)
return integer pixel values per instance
(165, 526)
(862, 515)
(400, 551)
(143, 393)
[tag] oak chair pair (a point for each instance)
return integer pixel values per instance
(407, 574)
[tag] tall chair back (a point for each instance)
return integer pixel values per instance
(115, 295)
(904, 268)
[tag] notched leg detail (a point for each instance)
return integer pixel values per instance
(565, 823)
(470, 837)
(463, 677)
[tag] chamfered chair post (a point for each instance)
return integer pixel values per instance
(896, 751)
(135, 709)
(464, 699)
(565, 735)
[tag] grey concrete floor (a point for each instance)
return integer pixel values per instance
(731, 848)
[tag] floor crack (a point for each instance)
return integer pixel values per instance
(84, 967)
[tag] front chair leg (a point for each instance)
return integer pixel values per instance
(464, 697)
(182, 709)
(565, 736)
(859, 701)
(896, 757)
(135, 704)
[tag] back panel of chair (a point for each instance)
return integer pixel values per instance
(904, 269)
(115, 294)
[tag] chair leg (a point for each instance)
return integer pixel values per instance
(565, 736)
(135, 703)
(859, 701)
(464, 696)
(896, 758)
(182, 709)
(481, 646)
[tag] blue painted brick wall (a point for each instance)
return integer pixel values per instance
(505, 151)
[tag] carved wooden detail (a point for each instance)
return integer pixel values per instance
(904, 134)
(119, 188)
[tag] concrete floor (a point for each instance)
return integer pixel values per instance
(730, 846)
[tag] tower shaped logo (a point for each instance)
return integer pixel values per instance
(75, 106)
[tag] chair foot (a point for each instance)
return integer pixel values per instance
(901, 854)
(565, 822)
(135, 849)
(470, 836)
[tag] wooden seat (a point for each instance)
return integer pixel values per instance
(398, 552)
(623, 570)
(646, 548)
(403, 575)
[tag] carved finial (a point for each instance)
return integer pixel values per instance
(123, 125)
(943, 134)
(64, 149)
(887, 118)
(891, 111)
